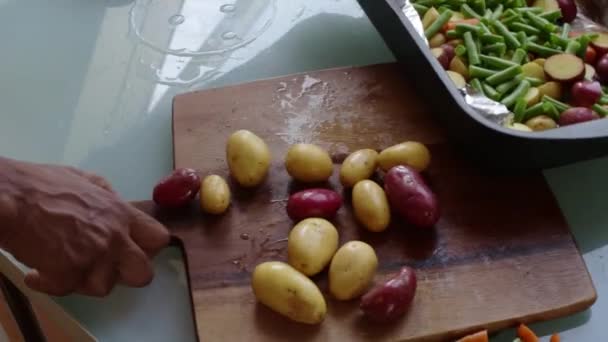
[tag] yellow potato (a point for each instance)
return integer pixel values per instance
(285, 290)
(457, 65)
(215, 195)
(357, 166)
(457, 16)
(551, 89)
(429, 17)
(311, 245)
(457, 78)
(371, 206)
(437, 40)
(533, 69)
(352, 270)
(248, 158)
(456, 42)
(540, 61)
(532, 96)
(520, 127)
(410, 153)
(541, 123)
(308, 163)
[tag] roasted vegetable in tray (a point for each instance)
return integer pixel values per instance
(523, 55)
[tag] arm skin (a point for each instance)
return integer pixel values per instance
(73, 230)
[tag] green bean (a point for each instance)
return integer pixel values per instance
(472, 52)
(524, 28)
(601, 111)
(503, 31)
(542, 51)
(565, 30)
(536, 10)
(438, 24)
(504, 75)
(532, 39)
(476, 84)
(535, 82)
(573, 47)
(481, 5)
(559, 105)
(520, 109)
(453, 34)
(491, 39)
(483, 29)
(603, 100)
(536, 110)
(490, 92)
(520, 3)
(558, 40)
(428, 3)
(517, 93)
(469, 12)
(551, 110)
(479, 72)
(510, 19)
(522, 37)
(552, 15)
(497, 63)
(498, 48)
(420, 9)
(462, 28)
(460, 50)
(488, 14)
(540, 23)
(443, 9)
(584, 41)
(519, 56)
(505, 87)
(497, 12)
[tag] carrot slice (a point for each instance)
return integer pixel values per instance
(554, 338)
(526, 334)
(450, 25)
(481, 336)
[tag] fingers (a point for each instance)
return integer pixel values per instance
(134, 266)
(100, 281)
(148, 233)
(93, 178)
(54, 286)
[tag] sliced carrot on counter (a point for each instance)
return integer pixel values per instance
(450, 25)
(554, 338)
(526, 334)
(481, 336)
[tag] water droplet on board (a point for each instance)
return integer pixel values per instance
(228, 8)
(176, 19)
(228, 35)
(245, 236)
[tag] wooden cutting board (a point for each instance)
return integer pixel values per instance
(501, 253)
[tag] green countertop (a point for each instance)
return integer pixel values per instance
(90, 84)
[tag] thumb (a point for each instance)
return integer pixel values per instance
(43, 283)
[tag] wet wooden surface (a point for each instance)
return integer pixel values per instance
(501, 253)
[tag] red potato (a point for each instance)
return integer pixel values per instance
(601, 68)
(600, 44)
(565, 67)
(320, 203)
(177, 189)
(569, 10)
(590, 55)
(586, 93)
(449, 50)
(442, 57)
(410, 197)
(391, 300)
(577, 115)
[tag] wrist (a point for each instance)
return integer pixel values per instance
(9, 199)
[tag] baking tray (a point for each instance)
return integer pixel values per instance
(480, 139)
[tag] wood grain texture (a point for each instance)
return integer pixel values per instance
(501, 253)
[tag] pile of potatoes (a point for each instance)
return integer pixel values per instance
(313, 243)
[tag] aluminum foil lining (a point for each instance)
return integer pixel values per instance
(488, 108)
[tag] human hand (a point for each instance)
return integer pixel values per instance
(74, 231)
